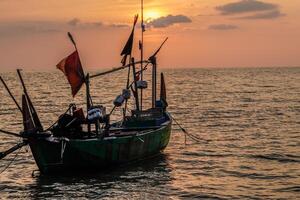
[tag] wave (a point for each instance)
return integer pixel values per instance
(278, 157)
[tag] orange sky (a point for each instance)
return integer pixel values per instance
(202, 33)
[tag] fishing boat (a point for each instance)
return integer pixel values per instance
(86, 138)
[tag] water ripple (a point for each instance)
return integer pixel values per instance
(248, 120)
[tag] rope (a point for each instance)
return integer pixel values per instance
(58, 119)
(7, 166)
(191, 136)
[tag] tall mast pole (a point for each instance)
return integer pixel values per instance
(142, 47)
(88, 99)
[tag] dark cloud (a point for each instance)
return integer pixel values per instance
(223, 27)
(74, 22)
(169, 20)
(206, 15)
(265, 15)
(119, 25)
(253, 8)
(38, 27)
(28, 27)
(77, 23)
(245, 6)
(95, 24)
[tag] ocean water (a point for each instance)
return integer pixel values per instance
(248, 121)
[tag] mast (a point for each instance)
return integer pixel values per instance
(154, 68)
(152, 59)
(142, 47)
(86, 81)
(136, 95)
(35, 119)
(88, 99)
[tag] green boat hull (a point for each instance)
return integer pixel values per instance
(60, 154)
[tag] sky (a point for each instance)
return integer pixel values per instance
(202, 33)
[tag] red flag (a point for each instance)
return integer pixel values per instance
(71, 67)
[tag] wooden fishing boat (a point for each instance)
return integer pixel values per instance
(79, 141)
(123, 145)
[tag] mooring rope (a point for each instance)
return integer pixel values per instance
(14, 158)
(190, 135)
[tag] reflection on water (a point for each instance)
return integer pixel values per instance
(141, 180)
(249, 120)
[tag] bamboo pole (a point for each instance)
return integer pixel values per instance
(11, 150)
(10, 133)
(142, 48)
(11, 95)
(35, 118)
(154, 68)
(135, 85)
(127, 86)
(117, 69)
(88, 102)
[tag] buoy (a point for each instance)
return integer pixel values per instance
(119, 101)
(96, 113)
(126, 94)
(142, 84)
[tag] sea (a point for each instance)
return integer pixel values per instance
(247, 121)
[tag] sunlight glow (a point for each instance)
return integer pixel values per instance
(152, 14)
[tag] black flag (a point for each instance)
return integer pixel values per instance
(163, 91)
(128, 47)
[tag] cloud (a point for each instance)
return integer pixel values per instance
(74, 22)
(265, 15)
(118, 25)
(223, 27)
(39, 27)
(77, 23)
(245, 6)
(169, 20)
(254, 9)
(29, 27)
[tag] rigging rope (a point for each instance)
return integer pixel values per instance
(69, 108)
(14, 158)
(191, 136)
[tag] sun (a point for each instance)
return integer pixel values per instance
(152, 14)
